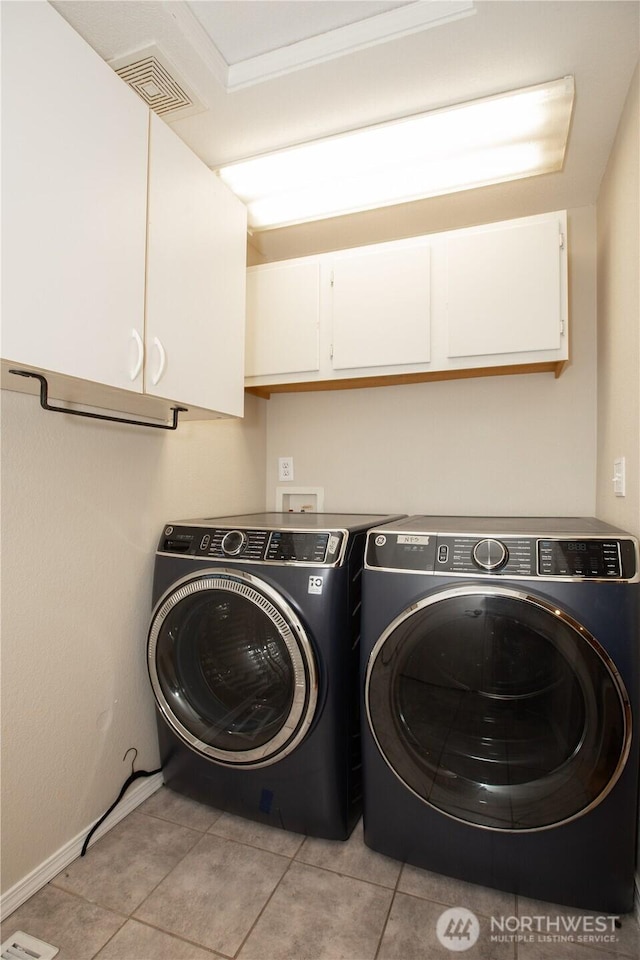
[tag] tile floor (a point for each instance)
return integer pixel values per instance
(179, 881)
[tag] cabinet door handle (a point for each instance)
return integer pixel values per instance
(163, 361)
(140, 345)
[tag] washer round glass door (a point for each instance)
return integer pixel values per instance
(498, 709)
(232, 669)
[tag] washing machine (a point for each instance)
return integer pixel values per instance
(252, 653)
(500, 721)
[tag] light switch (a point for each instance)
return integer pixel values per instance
(619, 477)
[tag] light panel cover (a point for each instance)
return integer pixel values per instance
(518, 134)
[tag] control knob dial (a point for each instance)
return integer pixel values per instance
(490, 554)
(233, 543)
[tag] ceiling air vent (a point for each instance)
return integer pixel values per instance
(157, 82)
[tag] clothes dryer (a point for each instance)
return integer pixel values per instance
(500, 729)
(253, 659)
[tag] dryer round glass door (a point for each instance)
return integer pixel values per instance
(498, 709)
(232, 669)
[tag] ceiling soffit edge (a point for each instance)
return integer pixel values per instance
(405, 20)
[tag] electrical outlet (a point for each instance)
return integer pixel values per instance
(285, 468)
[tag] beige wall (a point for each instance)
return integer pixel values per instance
(619, 319)
(83, 505)
(500, 445)
(619, 326)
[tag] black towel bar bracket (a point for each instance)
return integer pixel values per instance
(44, 403)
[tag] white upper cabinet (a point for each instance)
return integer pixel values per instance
(283, 318)
(124, 256)
(463, 303)
(196, 256)
(359, 312)
(74, 172)
(375, 293)
(504, 289)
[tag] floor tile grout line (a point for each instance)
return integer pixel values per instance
(211, 832)
(254, 846)
(386, 919)
(263, 908)
(91, 903)
(344, 873)
(114, 934)
(167, 874)
(130, 914)
(228, 840)
(177, 823)
(439, 903)
(215, 954)
(292, 859)
(125, 917)
(70, 893)
(198, 838)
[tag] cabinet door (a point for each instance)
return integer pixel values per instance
(283, 318)
(196, 267)
(74, 201)
(505, 289)
(381, 307)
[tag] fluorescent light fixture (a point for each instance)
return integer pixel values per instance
(518, 134)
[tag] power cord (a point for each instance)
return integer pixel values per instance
(135, 775)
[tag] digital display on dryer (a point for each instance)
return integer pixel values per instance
(580, 558)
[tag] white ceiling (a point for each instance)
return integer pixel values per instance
(249, 29)
(308, 68)
(251, 42)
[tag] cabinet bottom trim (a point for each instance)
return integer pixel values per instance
(359, 383)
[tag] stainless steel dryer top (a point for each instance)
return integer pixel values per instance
(576, 548)
(298, 521)
(483, 526)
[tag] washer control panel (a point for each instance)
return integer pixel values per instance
(316, 548)
(597, 558)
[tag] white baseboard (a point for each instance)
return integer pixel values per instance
(51, 867)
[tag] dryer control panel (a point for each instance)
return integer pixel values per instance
(590, 558)
(313, 548)
(603, 559)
